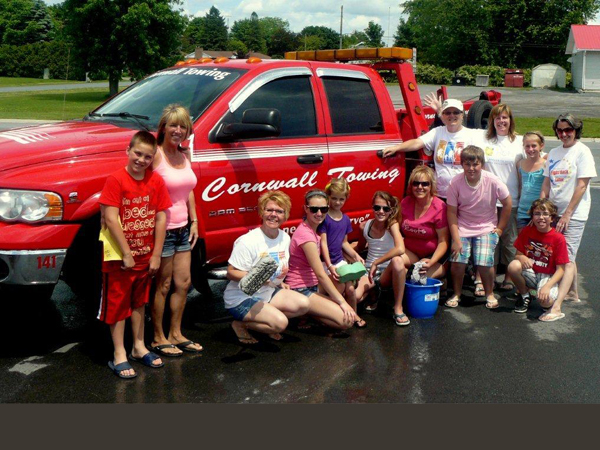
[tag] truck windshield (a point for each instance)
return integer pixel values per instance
(142, 104)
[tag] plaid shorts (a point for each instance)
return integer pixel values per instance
(483, 248)
(538, 280)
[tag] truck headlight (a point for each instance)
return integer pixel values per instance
(29, 206)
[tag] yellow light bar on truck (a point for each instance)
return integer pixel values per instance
(351, 54)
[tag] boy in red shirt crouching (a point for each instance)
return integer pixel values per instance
(540, 262)
(133, 204)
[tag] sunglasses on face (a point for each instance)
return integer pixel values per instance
(564, 130)
(379, 207)
(454, 113)
(316, 209)
(421, 183)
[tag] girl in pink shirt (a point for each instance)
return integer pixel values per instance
(306, 273)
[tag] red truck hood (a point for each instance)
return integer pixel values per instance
(51, 142)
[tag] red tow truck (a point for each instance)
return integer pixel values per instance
(289, 124)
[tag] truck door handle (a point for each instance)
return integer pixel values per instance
(310, 159)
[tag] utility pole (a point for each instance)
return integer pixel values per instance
(341, 22)
(389, 18)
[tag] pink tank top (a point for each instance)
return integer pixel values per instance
(180, 183)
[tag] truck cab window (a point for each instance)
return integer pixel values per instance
(352, 105)
(293, 97)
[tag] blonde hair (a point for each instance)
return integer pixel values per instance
(279, 197)
(339, 186)
(392, 202)
(177, 114)
(537, 134)
(425, 172)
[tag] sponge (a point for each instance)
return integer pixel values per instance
(256, 277)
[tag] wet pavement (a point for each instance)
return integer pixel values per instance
(55, 352)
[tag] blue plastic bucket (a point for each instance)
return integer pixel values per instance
(422, 300)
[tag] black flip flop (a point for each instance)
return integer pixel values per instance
(159, 349)
(185, 346)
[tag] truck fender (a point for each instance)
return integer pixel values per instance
(88, 208)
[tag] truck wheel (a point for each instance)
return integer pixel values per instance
(83, 265)
(479, 113)
(199, 278)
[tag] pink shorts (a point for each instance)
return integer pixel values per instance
(122, 292)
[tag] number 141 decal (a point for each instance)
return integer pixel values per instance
(46, 262)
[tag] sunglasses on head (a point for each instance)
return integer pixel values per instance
(421, 183)
(379, 207)
(315, 209)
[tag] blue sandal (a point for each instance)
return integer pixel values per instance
(148, 359)
(117, 369)
(397, 318)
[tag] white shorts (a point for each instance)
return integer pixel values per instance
(537, 280)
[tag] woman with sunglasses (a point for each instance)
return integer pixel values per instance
(306, 272)
(567, 175)
(444, 143)
(384, 260)
(424, 224)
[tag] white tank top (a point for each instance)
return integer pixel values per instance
(377, 247)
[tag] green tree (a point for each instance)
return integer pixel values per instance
(452, 33)
(354, 39)
(24, 22)
(250, 33)
(278, 37)
(139, 36)
(329, 38)
(374, 34)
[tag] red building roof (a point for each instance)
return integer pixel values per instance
(584, 37)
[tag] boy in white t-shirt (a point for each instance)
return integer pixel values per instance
(473, 222)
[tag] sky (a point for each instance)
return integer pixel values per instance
(302, 13)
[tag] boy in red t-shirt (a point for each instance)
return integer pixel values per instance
(133, 204)
(540, 262)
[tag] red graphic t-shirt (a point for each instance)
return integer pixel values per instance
(138, 202)
(546, 249)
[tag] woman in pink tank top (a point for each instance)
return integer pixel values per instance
(172, 162)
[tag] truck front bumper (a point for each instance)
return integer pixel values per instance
(31, 267)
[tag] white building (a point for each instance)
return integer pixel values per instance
(584, 45)
(548, 75)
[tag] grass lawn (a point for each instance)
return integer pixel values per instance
(591, 126)
(51, 105)
(15, 81)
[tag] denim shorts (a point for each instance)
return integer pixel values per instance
(240, 311)
(307, 291)
(176, 240)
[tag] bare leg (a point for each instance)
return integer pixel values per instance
(117, 332)
(137, 330)
(487, 278)
(458, 274)
(328, 312)
(573, 293)
(182, 281)
(515, 270)
(157, 309)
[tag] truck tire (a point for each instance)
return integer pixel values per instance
(479, 113)
(82, 270)
(198, 269)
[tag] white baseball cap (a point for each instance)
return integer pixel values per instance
(452, 103)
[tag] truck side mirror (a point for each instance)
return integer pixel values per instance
(256, 123)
